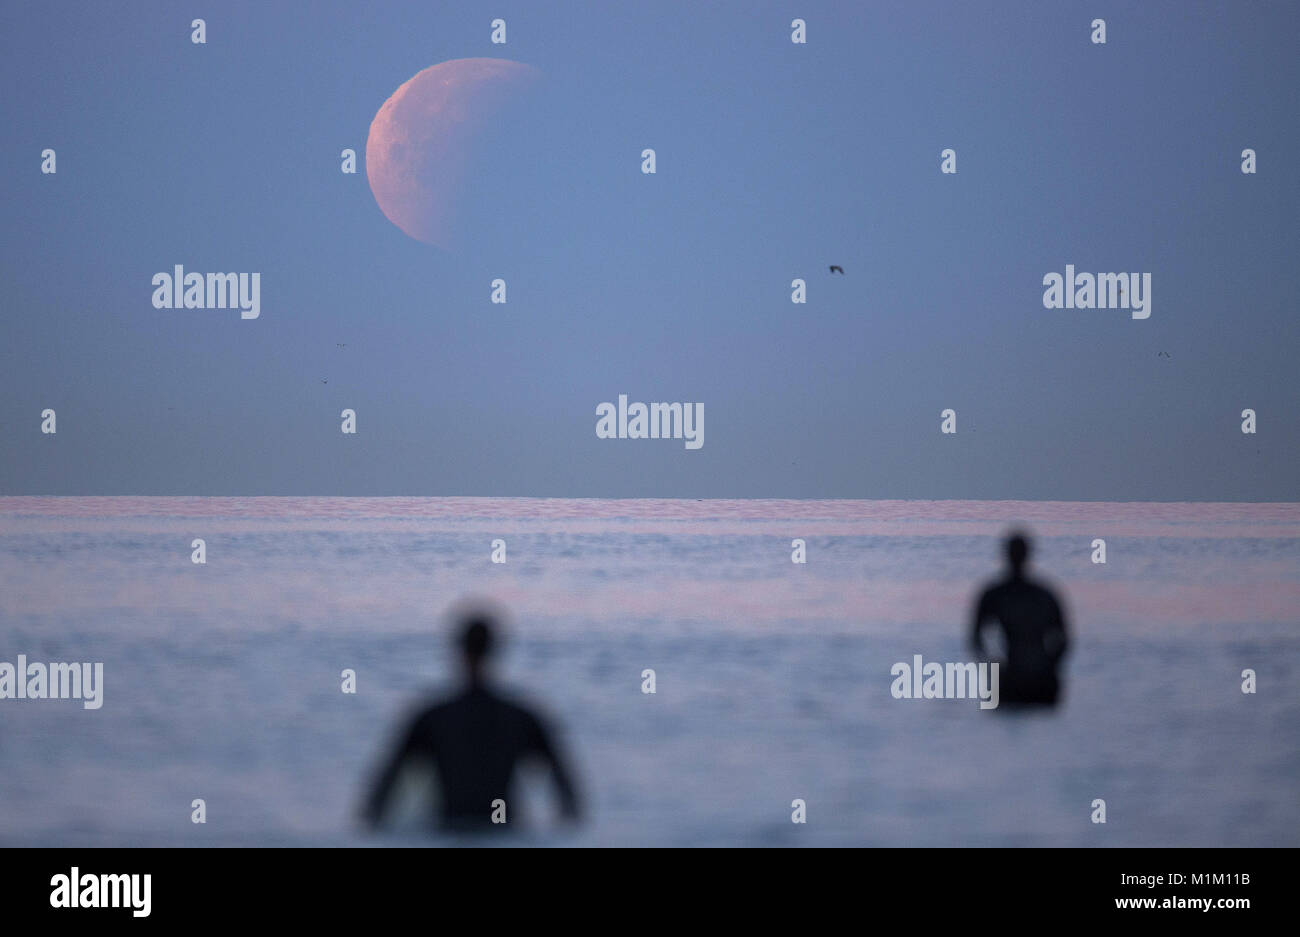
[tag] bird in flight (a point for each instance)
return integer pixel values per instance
(341, 345)
(836, 268)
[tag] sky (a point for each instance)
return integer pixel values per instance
(774, 161)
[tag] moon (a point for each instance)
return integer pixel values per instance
(422, 141)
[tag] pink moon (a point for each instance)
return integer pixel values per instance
(422, 141)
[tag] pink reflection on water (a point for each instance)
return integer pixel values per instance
(869, 589)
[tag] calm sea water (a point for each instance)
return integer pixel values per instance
(222, 681)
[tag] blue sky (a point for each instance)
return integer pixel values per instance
(774, 161)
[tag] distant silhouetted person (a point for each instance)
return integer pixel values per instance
(1034, 626)
(474, 741)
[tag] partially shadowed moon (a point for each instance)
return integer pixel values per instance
(422, 141)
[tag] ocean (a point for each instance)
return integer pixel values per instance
(222, 681)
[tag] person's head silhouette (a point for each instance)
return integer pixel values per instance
(1017, 547)
(477, 637)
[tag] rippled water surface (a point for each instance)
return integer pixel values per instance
(222, 681)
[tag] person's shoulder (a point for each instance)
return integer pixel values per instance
(1044, 590)
(512, 702)
(1044, 586)
(522, 711)
(433, 708)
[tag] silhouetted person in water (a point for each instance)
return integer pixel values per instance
(1035, 630)
(474, 741)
